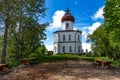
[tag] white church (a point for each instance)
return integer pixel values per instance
(67, 40)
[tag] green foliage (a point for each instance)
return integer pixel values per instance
(112, 17)
(32, 55)
(116, 63)
(104, 43)
(13, 63)
(112, 23)
(41, 50)
(115, 37)
(91, 54)
(100, 42)
(23, 30)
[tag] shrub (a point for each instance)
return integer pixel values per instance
(13, 63)
(33, 55)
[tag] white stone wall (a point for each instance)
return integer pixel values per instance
(56, 48)
(70, 25)
(67, 47)
(74, 42)
(78, 34)
(74, 48)
(67, 36)
(56, 37)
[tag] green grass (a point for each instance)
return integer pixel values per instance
(93, 58)
(115, 63)
(49, 58)
(59, 57)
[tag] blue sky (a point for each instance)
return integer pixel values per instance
(88, 16)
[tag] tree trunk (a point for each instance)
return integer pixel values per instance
(18, 36)
(3, 54)
(17, 48)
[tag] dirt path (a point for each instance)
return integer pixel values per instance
(63, 70)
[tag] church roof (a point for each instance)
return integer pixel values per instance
(67, 16)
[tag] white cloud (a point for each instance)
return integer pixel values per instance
(99, 14)
(85, 28)
(85, 36)
(48, 38)
(56, 20)
(49, 47)
(86, 46)
(93, 27)
(84, 32)
(75, 28)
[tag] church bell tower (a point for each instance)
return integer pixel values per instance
(67, 21)
(67, 40)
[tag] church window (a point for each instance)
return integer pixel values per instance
(67, 26)
(63, 48)
(78, 48)
(78, 37)
(55, 49)
(63, 37)
(70, 49)
(69, 37)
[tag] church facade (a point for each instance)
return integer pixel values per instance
(67, 40)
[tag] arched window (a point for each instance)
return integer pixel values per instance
(70, 49)
(63, 37)
(55, 49)
(79, 49)
(69, 37)
(78, 37)
(63, 48)
(67, 26)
